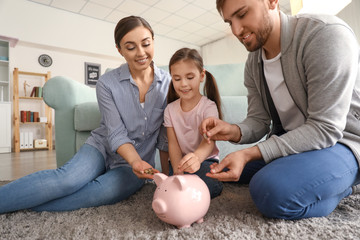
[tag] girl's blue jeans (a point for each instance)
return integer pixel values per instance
(309, 184)
(82, 182)
(215, 187)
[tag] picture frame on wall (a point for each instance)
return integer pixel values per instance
(92, 73)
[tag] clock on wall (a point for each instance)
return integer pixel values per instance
(45, 60)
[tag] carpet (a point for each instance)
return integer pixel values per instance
(231, 216)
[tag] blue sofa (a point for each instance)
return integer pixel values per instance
(77, 112)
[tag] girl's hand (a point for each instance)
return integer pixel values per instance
(178, 172)
(143, 169)
(189, 163)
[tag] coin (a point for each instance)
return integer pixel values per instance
(205, 136)
(149, 171)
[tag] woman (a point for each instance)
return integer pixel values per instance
(112, 164)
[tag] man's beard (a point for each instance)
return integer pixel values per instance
(262, 35)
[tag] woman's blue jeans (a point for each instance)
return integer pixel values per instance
(82, 182)
(309, 184)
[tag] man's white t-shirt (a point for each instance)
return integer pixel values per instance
(289, 113)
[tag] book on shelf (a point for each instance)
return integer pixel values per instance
(36, 92)
(32, 94)
(31, 140)
(22, 140)
(29, 116)
(36, 117)
(23, 116)
(26, 140)
(40, 92)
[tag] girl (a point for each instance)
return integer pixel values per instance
(189, 151)
(112, 164)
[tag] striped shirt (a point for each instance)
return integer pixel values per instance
(124, 120)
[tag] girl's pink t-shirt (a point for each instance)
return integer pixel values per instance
(186, 124)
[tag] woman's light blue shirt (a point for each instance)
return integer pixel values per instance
(124, 120)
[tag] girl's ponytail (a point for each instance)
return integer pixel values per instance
(212, 92)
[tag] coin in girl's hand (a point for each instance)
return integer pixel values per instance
(205, 136)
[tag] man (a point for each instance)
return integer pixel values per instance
(303, 82)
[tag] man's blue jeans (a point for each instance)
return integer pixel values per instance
(309, 184)
(82, 182)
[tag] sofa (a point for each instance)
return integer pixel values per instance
(77, 111)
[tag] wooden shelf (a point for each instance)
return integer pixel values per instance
(33, 149)
(31, 98)
(16, 120)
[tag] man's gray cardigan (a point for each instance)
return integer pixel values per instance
(320, 63)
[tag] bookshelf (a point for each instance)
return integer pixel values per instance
(18, 122)
(5, 104)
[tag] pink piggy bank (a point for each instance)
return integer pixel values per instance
(181, 199)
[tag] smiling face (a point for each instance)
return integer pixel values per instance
(137, 48)
(250, 21)
(186, 79)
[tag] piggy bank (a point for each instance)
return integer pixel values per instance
(181, 199)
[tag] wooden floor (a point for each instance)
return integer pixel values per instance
(17, 165)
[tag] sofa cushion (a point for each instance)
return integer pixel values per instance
(234, 111)
(229, 78)
(80, 138)
(86, 116)
(234, 108)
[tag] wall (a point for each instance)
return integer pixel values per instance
(70, 39)
(225, 51)
(350, 14)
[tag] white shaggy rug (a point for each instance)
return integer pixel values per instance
(231, 216)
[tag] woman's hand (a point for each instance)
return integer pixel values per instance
(216, 129)
(143, 169)
(235, 163)
(189, 163)
(129, 153)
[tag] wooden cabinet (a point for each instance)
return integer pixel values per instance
(5, 104)
(20, 100)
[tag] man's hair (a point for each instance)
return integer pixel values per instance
(220, 5)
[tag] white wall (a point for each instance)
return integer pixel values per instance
(225, 51)
(351, 16)
(70, 39)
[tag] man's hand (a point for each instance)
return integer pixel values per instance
(141, 169)
(189, 163)
(216, 129)
(235, 163)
